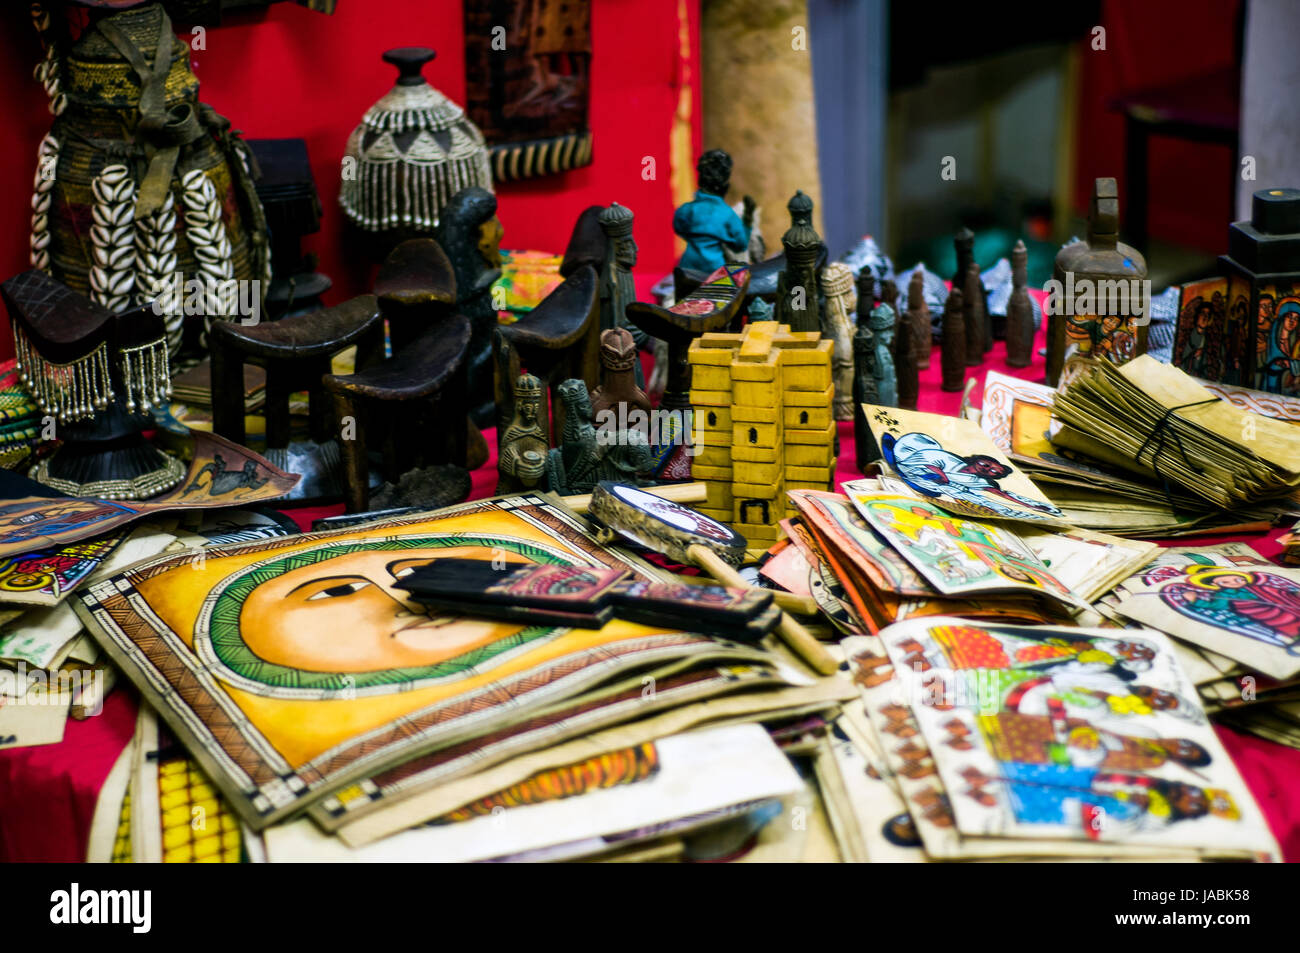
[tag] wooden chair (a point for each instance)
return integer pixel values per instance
(416, 287)
(557, 340)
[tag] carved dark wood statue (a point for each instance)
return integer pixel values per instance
(797, 289)
(470, 234)
(864, 386)
(889, 296)
(525, 443)
(952, 331)
(617, 288)
(918, 314)
(1020, 312)
(909, 384)
(974, 315)
(583, 458)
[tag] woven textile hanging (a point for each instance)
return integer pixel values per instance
(413, 151)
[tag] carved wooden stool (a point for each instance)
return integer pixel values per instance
(412, 407)
(296, 353)
(557, 340)
(416, 287)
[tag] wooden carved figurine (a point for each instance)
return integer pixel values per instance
(952, 331)
(974, 315)
(864, 388)
(617, 289)
(586, 457)
(918, 314)
(1020, 312)
(837, 325)
(522, 461)
(909, 384)
(796, 289)
(963, 244)
(618, 388)
(470, 233)
(882, 363)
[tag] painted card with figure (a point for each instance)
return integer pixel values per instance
(951, 461)
(1087, 735)
(959, 556)
(292, 666)
(1250, 613)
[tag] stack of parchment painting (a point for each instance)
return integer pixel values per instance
(1014, 685)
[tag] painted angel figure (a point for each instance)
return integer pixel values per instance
(930, 469)
(1260, 604)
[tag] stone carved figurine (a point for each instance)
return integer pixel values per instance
(522, 461)
(587, 455)
(918, 314)
(837, 325)
(952, 329)
(1020, 312)
(713, 232)
(882, 362)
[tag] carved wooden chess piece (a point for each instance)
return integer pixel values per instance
(797, 290)
(618, 388)
(974, 315)
(963, 244)
(953, 342)
(882, 323)
(470, 234)
(909, 383)
(864, 388)
(918, 314)
(841, 300)
(1020, 312)
(525, 443)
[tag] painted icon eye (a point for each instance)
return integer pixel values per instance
(403, 571)
(343, 589)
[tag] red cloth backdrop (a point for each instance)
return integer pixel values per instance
(291, 73)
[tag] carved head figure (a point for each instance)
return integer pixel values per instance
(528, 400)
(714, 170)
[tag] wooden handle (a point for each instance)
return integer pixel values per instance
(792, 633)
(789, 601)
(677, 492)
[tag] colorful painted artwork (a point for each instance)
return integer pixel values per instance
(1110, 336)
(958, 556)
(1083, 735)
(48, 576)
(290, 667)
(1278, 370)
(1248, 613)
(951, 461)
(221, 474)
(1205, 335)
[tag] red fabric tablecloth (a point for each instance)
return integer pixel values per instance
(48, 794)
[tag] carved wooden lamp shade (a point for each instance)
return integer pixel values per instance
(413, 151)
(98, 374)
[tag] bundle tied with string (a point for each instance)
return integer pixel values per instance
(413, 151)
(1152, 419)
